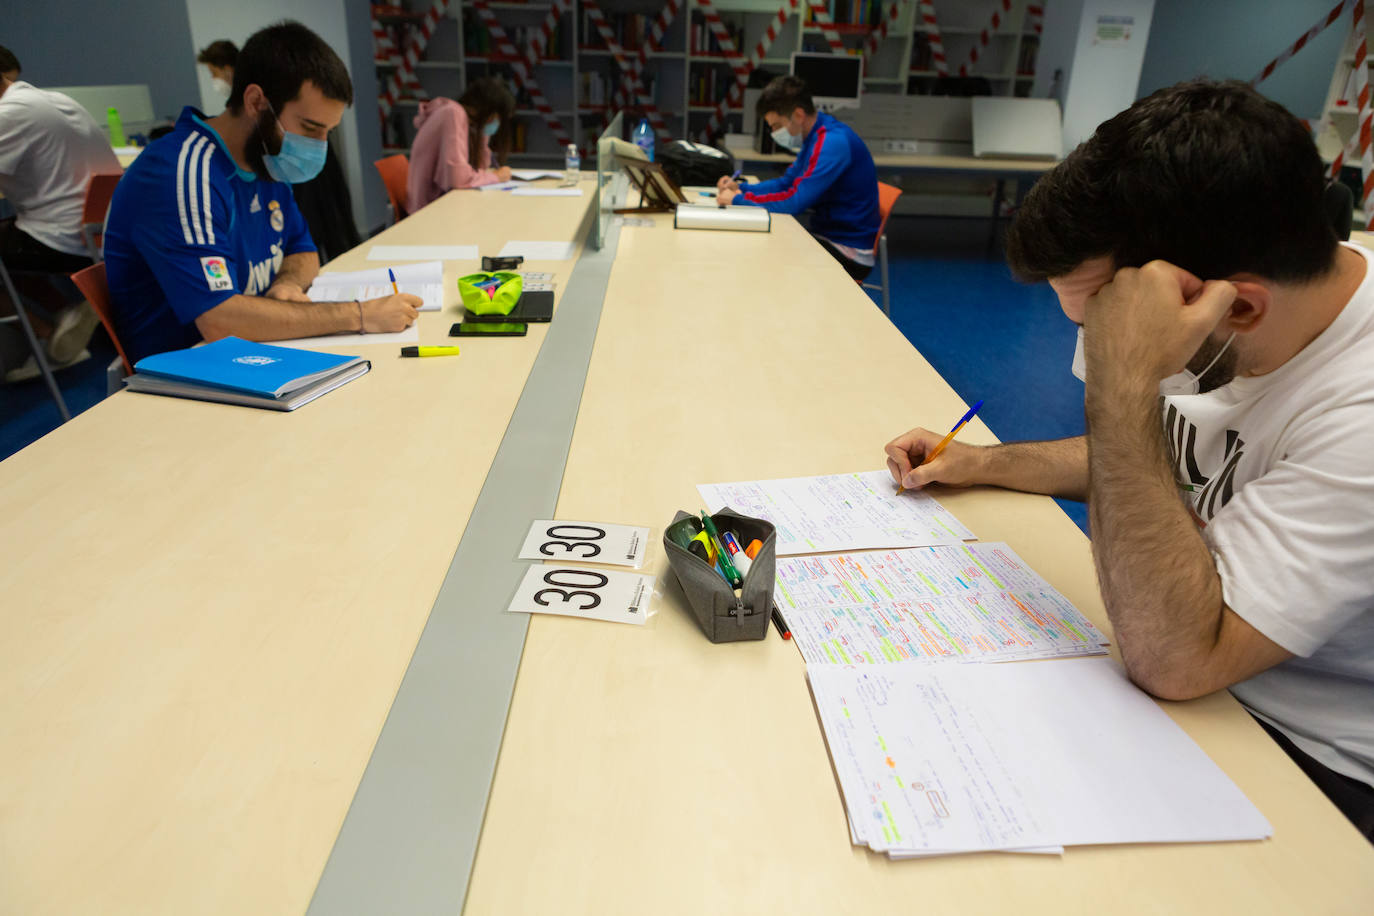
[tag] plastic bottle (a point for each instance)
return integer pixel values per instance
(116, 128)
(572, 166)
(644, 137)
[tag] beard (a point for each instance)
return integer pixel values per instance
(269, 142)
(1222, 373)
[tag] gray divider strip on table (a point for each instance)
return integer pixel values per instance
(408, 841)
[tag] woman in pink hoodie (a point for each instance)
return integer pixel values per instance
(454, 140)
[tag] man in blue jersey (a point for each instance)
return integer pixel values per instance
(204, 239)
(833, 176)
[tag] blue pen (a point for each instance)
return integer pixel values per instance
(392, 274)
(738, 172)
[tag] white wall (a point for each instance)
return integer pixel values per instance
(357, 138)
(1105, 74)
(1234, 39)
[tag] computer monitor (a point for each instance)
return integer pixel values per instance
(835, 80)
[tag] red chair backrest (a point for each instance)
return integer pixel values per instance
(395, 172)
(887, 198)
(96, 205)
(91, 281)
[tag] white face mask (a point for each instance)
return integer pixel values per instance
(783, 138)
(1184, 382)
(222, 87)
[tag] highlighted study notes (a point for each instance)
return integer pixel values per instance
(957, 602)
(859, 511)
(963, 758)
(424, 280)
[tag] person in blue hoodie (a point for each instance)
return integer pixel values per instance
(833, 176)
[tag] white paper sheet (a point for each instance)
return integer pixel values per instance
(546, 192)
(590, 542)
(840, 512)
(620, 597)
(949, 758)
(425, 280)
(409, 336)
(422, 253)
(539, 251)
(499, 186)
(535, 280)
(534, 174)
(957, 602)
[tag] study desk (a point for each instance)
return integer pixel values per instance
(208, 610)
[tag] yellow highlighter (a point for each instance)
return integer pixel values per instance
(429, 351)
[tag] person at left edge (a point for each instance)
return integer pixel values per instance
(204, 239)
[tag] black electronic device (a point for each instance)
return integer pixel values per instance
(484, 329)
(512, 262)
(535, 306)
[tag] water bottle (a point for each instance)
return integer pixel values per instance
(644, 138)
(116, 127)
(572, 166)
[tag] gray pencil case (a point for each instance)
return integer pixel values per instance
(723, 615)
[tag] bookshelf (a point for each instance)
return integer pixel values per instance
(688, 74)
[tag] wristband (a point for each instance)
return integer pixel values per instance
(362, 326)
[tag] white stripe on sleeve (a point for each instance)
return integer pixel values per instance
(205, 192)
(192, 188)
(181, 187)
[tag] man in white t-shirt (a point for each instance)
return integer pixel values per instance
(49, 148)
(1227, 344)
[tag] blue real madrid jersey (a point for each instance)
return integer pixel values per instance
(189, 229)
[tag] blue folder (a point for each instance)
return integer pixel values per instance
(242, 372)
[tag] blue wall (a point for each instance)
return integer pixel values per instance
(102, 42)
(1234, 39)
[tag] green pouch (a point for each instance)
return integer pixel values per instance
(490, 293)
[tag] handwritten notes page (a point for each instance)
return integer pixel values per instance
(840, 512)
(957, 602)
(958, 758)
(424, 280)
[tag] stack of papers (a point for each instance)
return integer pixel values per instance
(532, 280)
(840, 512)
(424, 280)
(961, 603)
(1032, 757)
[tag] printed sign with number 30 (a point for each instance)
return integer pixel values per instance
(616, 596)
(591, 542)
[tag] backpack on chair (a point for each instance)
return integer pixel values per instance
(690, 163)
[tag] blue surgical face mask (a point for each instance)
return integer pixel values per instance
(783, 138)
(491, 127)
(300, 159)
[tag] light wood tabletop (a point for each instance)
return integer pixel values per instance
(207, 611)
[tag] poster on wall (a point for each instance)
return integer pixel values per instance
(1113, 31)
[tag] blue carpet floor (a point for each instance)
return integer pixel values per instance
(989, 336)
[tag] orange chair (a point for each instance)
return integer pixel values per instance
(91, 281)
(887, 199)
(395, 172)
(95, 208)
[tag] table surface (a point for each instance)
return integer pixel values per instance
(209, 609)
(933, 162)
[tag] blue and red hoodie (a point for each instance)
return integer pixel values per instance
(834, 175)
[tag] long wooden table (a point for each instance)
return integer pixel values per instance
(208, 610)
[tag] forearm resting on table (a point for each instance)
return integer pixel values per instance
(299, 269)
(1058, 467)
(1159, 582)
(259, 318)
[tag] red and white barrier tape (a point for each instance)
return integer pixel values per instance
(1362, 103)
(405, 70)
(1035, 18)
(985, 37)
(521, 65)
(655, 43)
(742, 66)
(821, 17)
(630, 84)
(926, 10)
(1307, 36)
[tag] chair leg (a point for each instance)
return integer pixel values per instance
(882, 272)
(114, 376)
(39, 356)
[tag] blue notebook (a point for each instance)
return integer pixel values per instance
(242, 372)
